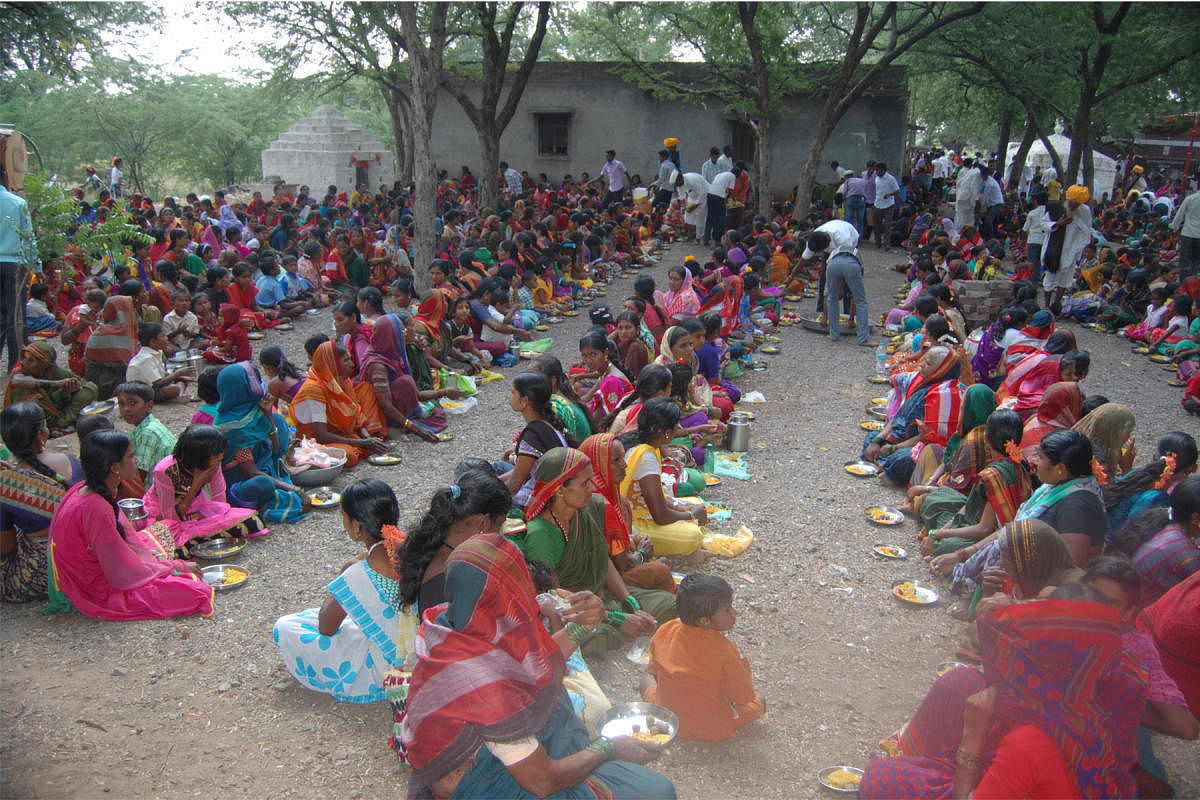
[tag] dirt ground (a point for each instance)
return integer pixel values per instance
(197, 707)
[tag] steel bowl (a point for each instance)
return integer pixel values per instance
(314, 477)
(98, 407)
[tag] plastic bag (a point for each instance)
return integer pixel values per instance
(754, 397)
(453, 380)
(731, 465)
(487, 376)
(459, 406)
(539, 345)
(727, 545)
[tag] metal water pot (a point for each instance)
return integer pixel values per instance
(737, 433)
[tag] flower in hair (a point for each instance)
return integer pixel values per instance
(1099, 472)
(1013, 451)
(1168, 472)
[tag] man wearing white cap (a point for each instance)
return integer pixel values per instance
(839, 239)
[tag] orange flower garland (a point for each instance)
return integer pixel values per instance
(1168, 472)
(1098, 471)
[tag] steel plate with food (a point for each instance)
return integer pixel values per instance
(256, 335)
(871, 425)
(570, 313)
(862, 469)
(646, 722)
(224, 577)
(878, 412)
(770, 350)
(99, 407)
(639, 651)
(840, 778)
(878, 401)
(914, 592)
(712, 480)
(884, 515)
(878, 379)
(1142, 350)
(285, 326)
(890, 551)
(312, 312)
(384, 459)
(793, 298)
(216, 549)
(541, 327)
(324, 497)
(1159, 358)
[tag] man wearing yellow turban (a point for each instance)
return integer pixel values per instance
(672, 145)
(1078, 194)
(1073, 230)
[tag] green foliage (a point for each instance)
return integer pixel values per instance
(52, 210)
(60, 40)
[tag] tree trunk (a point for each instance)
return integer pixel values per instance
(1022, 154)
(1080, 138)
(1006, 123)
(808, 173)
(400, 133)
(762, 165)
(489, 169)
(425, 64)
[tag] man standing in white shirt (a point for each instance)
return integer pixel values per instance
(663, 189)
(1187, 222)
(887, 189)
(616, 174)
(718, 189)
(941, 171)
(842, 273)
(967, 188)
(992, 200)
(710, 168)
(1037, 228)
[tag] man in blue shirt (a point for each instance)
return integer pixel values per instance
(991, 197)
(18, 254)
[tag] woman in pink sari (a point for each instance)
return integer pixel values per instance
(187, 493)
(680, 300)
(103, 566)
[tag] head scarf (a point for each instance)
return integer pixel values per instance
(1061, 666)
(488, 669)
(1107, 427)
(228, 219)
(950, 228)
(958, 271)
(239, 415)
(1061, 405)
(39, 356)
(38, 360)
(324, 384)
(618, 517)
(229, 313)
(114, 337)
(685, 302)
(1040, 326)
(1039, 555)
(431, 313)
(387, 347)
(978, 402)
(1078, 193)
(553, 470)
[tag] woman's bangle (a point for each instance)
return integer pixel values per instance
(408, 424)
(604, 747)
(577, 633)
(632, 603)
(968, 760)
(615, 618)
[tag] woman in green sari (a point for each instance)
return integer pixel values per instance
(566, 532)
(954, 520)
(567, 405)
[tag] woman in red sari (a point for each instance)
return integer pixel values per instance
(1060, 409)
(1054, 714)
(632, 554)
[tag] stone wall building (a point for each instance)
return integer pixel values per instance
(326, 148)
(571, 112)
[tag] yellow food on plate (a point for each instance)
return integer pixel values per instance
(711, 480)
(653, 738)
(888, 551)
(906, 590)
(857, 469)
(879, 515)
(712, 509)
(871, 425)
(230, 576)
(843, 779)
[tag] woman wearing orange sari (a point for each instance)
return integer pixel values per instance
(632, 554)
(326, 410)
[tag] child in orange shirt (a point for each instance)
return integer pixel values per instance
(695, 671)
